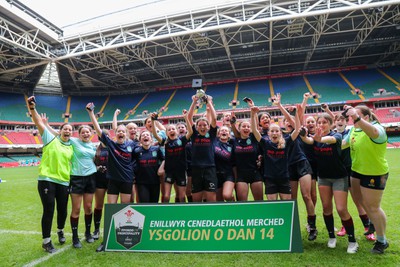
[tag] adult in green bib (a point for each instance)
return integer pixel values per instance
(53, 181)
(370, 169)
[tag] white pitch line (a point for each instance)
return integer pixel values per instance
(16, 232)
(42, 259)
(45, 258)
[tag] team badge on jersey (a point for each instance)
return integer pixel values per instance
(179, 142)
(229, 149)
(371, 183)
(248, 141)
(129, 148)
(207, 135)
(154, 153)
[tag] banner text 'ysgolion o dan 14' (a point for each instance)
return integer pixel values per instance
(271, 226)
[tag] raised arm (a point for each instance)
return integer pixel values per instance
(191, 108)
(45, 120)
(96, 126)
(233, 125)
(154, 116)
(115, 119)
(368, 128)
(253, 122)
(250, 104)
(346, 139)
(326, 109)
(285, 113)
(297, 124)
(307, 139)
(306, 96)
(35, 115)
(323, 139)
(189, 129)
(303, 106)
(213, 114)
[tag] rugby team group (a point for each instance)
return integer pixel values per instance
(206, 162)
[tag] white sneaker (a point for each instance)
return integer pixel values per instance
(352, 248)
(332, 243)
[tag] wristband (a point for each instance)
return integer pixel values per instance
(357, 120)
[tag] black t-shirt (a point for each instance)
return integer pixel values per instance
(223, 157)
(345, 156)
(175, 154)
(296, 152)
(328, 157)
(264, 133)
(188, 150)
(203, 148)
(276, 160)
(246, 152)
(148, 162)
(101, 157)
(120, 159)
(309, 152)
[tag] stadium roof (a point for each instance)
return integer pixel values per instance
(224, 42)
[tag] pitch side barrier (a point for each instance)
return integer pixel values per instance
(271, 226)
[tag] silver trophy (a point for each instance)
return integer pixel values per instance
(200, 94)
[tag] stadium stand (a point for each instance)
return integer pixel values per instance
(6, 162)
(54, 106)
(21, 138)
(78, 111)
(370, 81)
(3, 140)
(18, 160)
(331, 87)
(292, 89)
(222, 94)
(393, 73)
(394, 141)
(388, 115)
(25, 160)
(181, 100)
(258, 91)
(13, 108)
(153, 103)
(123, 102)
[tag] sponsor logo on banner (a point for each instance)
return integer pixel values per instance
(128, 227)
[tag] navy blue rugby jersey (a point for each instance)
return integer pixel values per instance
(148, 162)
(328, 158)
(203, 148)
(346, 158)
(296, 152)
(246, 152)
(175, 153)
(223, 157)
(120, 159)
(276, 160)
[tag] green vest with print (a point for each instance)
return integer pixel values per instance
(368, 157)
(56, 159)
